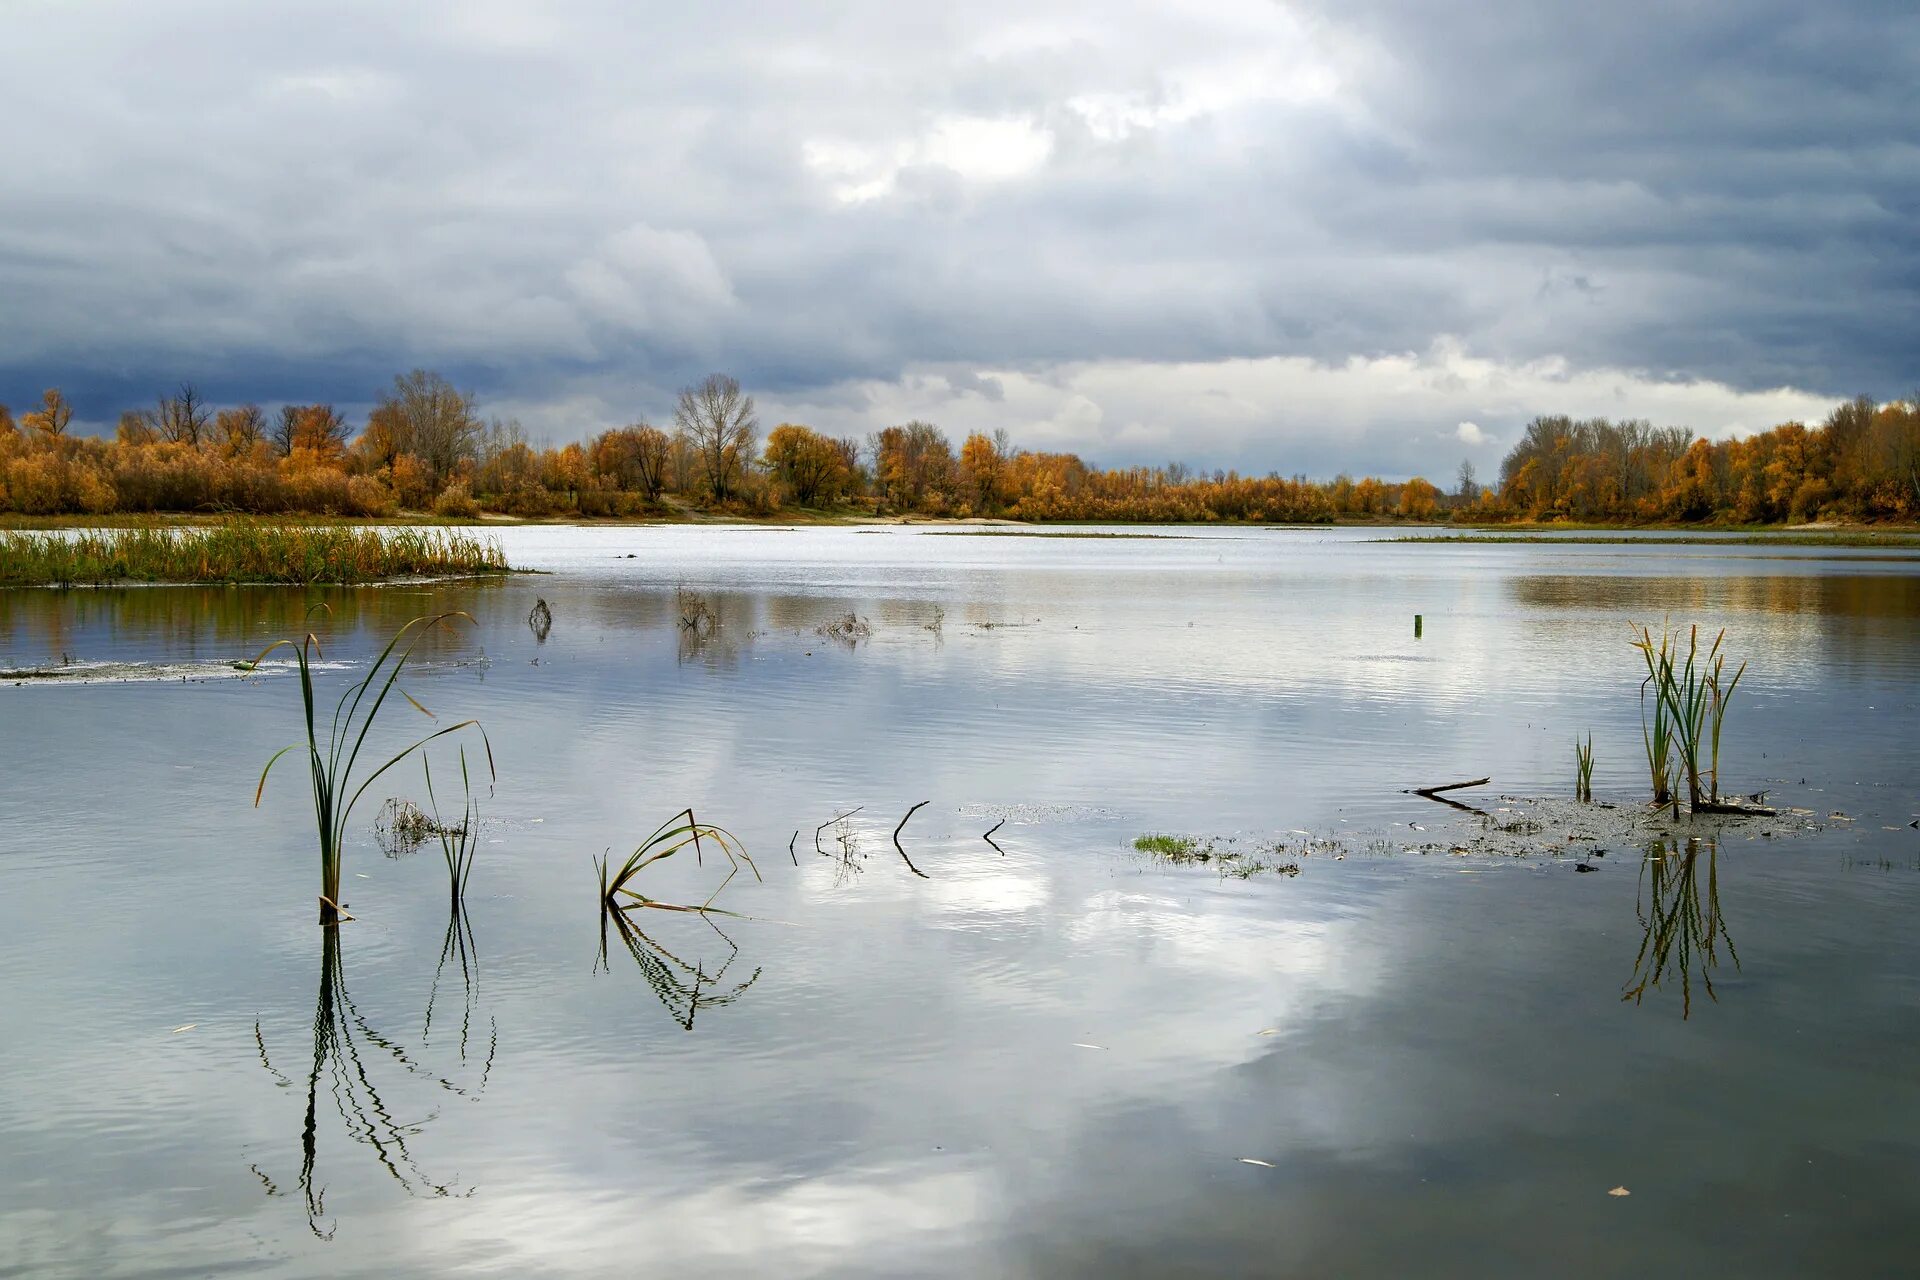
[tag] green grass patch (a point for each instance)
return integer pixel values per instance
(243, 552)
(1174, 848)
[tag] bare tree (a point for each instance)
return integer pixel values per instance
(1468, 486)
(184, 418)
(719, 421)
(430, 419)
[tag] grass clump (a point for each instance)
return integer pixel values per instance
(1691, 697)
(243, 551)
(1172, 848)
(331, 761)
(1583, 769)
(676, 833)
(1232, 862)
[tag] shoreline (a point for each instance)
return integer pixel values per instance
(1817, 533)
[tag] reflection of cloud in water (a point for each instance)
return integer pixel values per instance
(878, 1218)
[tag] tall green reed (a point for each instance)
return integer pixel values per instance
(458, 843)
(1583, 769)
(1694, 694)
(332, 761)
(1657, 733)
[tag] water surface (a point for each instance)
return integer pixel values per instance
(1049, 1057)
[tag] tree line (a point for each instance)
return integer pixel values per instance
(424, 447)
(1862, 463)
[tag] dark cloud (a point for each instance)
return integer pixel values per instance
(575, 208)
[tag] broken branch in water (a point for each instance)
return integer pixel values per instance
(896, 840)
(1433, 793)
(988, 836)
(829, 822)
(790, 852)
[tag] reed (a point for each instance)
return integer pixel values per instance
(1694, 693)
(673, 835)
(1657, 734)
(1583, 770)
(332, 760)
(243, 551)
(458, 843)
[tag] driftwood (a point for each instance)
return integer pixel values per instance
(1735, 810)
(1434, 793)
(896, 840)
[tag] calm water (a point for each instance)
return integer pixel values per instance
(1056, 1060)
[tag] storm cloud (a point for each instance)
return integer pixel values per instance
(1300, 237)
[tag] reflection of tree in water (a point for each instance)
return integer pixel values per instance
(1682, 925)
(348, 1055)
(683, 987)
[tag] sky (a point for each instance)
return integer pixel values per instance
(1374, 236)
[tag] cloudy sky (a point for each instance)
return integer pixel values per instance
(1375, 235)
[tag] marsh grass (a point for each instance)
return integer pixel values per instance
(1657, 733)
(1233, 863)
(332, 762)
(1695, 693)
(617, 891)
(1172, 848)
(1583, 770)
(243, 551)
(458, 843)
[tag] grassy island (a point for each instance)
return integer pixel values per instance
(244, 552)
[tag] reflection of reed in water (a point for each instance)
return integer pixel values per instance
(1683, 926)
(684, 988)
(347, 1053)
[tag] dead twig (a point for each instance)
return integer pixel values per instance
(896, 840)
(988, 836)
(829, 822)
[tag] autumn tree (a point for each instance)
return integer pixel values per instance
(633, 458)
(980, 463)
(813, 468)
(913, 464)
(52, 417)
(7, 427)
(317, 431)
(137, 427)
(424, 415)
(238, 429)
(720, 426)
(1419, 499)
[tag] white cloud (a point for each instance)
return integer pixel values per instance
(1469, 433)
